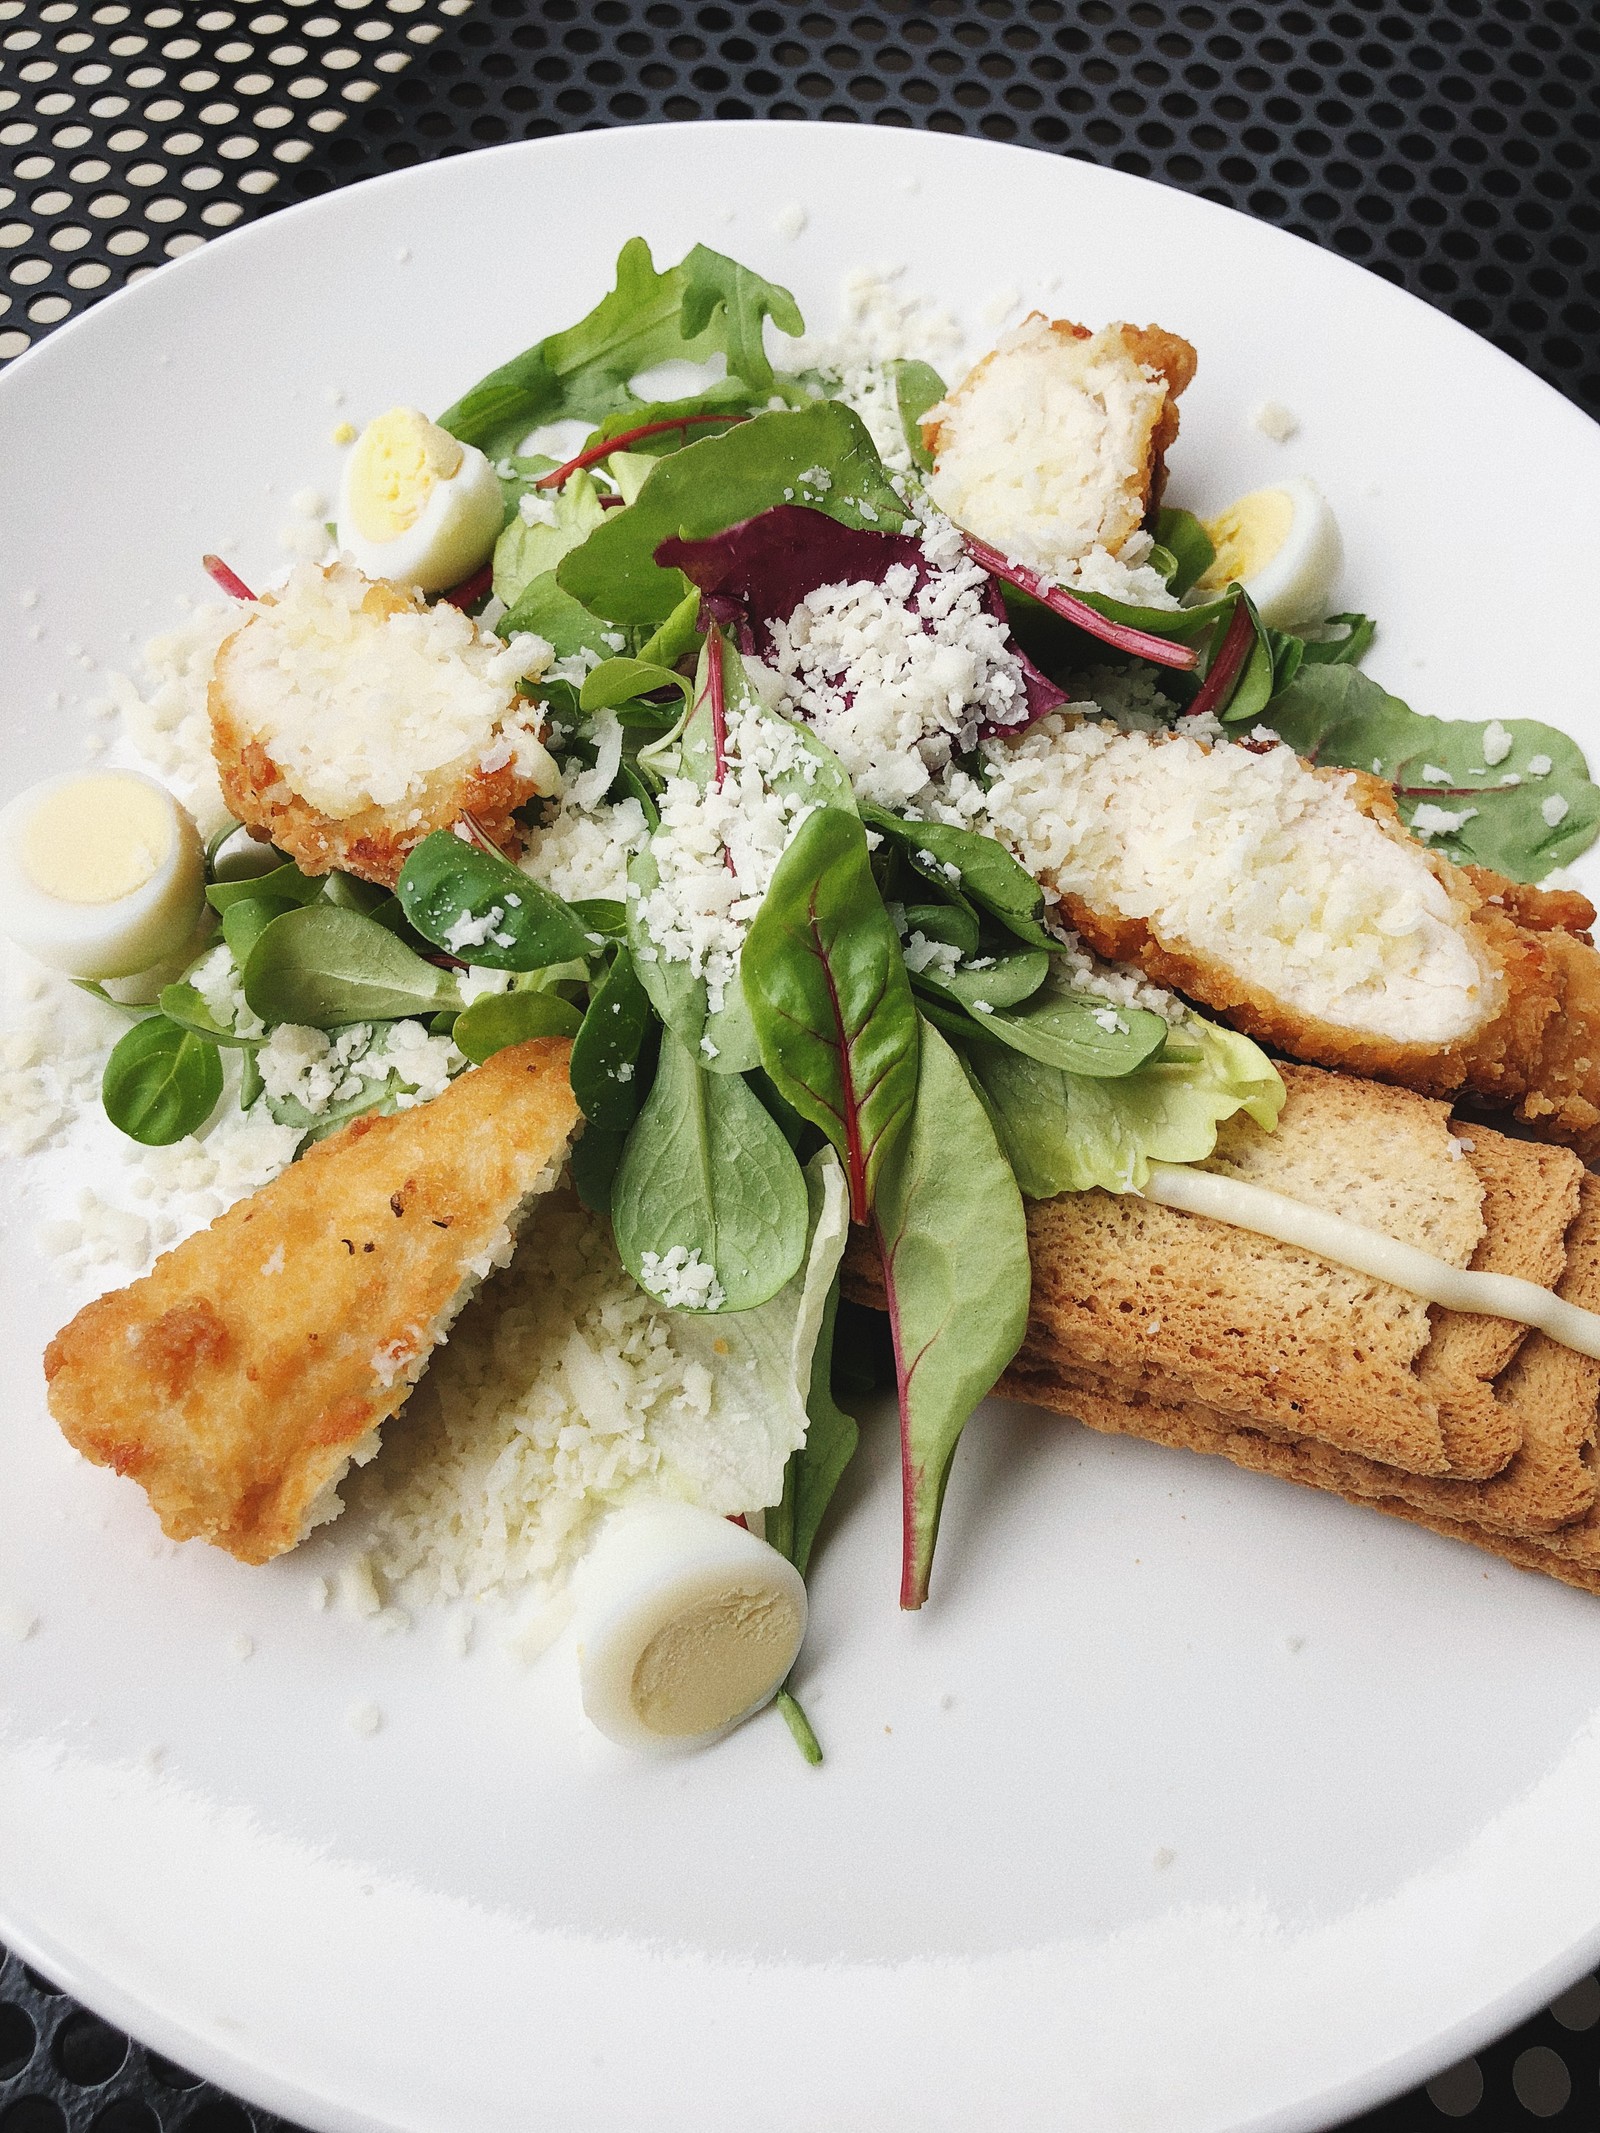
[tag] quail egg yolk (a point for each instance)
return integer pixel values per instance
(97, 840)
(1247, 536)
(395, 465)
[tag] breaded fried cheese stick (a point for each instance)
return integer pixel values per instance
(349, 720)
(239, 1379)
(1293, 902)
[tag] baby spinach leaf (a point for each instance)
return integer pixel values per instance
(244, 923)
(954, 1241)
(678, 636)
(1187, 542)
(978, 866)
(500, 1019)
(830, 999)
(1494, 814)
(134, 1010)
(601, 916)
(286, 882)
(251, 1084)
(733, 303)
(706, 1169)
(955, 924)
(681, 999)
(816, 1469)
(351, 893)
(1347, 646)
(617, 680)
(528, 548)
(474, 903)
(605, 1056)
(328, 967)
(184, 1004)
(161, 1082)
(720, 482)
(917, 387)
(584, 372)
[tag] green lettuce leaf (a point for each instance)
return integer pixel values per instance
(1070, 1132)
(1335, 715)
(525, 552)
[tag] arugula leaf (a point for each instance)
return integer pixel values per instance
(917, 387)
(1335, 715)
(727, 399)
(731, 301)
(1188, 544)
(954, 1241)
(500, 1019)
(161, 1082)
(606, 1054)
(705, 1168)
(720, 482)
(527, 550)
(977, 865)
(327, 967)
(1065, 1132)
(461, 897)
(830, 999)
(584, 372)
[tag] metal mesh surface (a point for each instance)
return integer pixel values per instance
(1452, 146)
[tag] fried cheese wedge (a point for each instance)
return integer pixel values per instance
(348, 721)
(1293, 902)
(1055, 443)
(239, 1379)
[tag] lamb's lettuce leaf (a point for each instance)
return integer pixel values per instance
(1070, 1132)
(1496, 814)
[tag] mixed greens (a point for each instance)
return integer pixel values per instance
(899, 995)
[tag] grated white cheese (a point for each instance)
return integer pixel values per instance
(360, 708)
(1540, 766)
(1430, 821)
(1555, 810)
(1249, 860)
(582, 853)
(1496, 743)
(165, 715)
(882, 323)
(681, 1280)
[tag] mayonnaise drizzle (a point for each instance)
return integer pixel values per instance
(1368, 1251)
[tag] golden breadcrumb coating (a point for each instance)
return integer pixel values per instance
(236, 1380)
(373, 842)
(1536, 1050)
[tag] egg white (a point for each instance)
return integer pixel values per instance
(654, 1564)
(1296, 583)
(117, 938)
(452, 536)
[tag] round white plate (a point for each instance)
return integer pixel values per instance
(1192, 1801)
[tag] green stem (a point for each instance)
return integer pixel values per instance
(800, 1726)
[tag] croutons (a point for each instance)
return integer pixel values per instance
(1055, 443)
(349, 720)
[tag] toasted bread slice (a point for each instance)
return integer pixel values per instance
(349, 721)
(239, 1378)
(1055, 443)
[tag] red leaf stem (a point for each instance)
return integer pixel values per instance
(1144, 644)
(230, 581)
(1232, 653)
(719, 708)
(594, 453)
(471, 590)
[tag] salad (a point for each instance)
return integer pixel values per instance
(889, 811)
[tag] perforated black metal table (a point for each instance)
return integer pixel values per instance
(1452, 146)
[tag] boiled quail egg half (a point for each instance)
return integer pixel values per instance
(1282, 545)
(416, 505)
(102, 873)
(686, 1624)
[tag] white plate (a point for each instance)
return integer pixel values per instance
(1192, 1801)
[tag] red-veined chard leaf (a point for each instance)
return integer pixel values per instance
(829, 996)
(954, 1240)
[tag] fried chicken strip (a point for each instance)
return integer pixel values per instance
(238, 1380)
(348, 721)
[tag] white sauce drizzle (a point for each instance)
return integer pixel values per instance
(1368, 1251)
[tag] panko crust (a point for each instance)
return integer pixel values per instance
(238, 1378)
(375, 842)
(1536, 1049)
(1165, 354)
